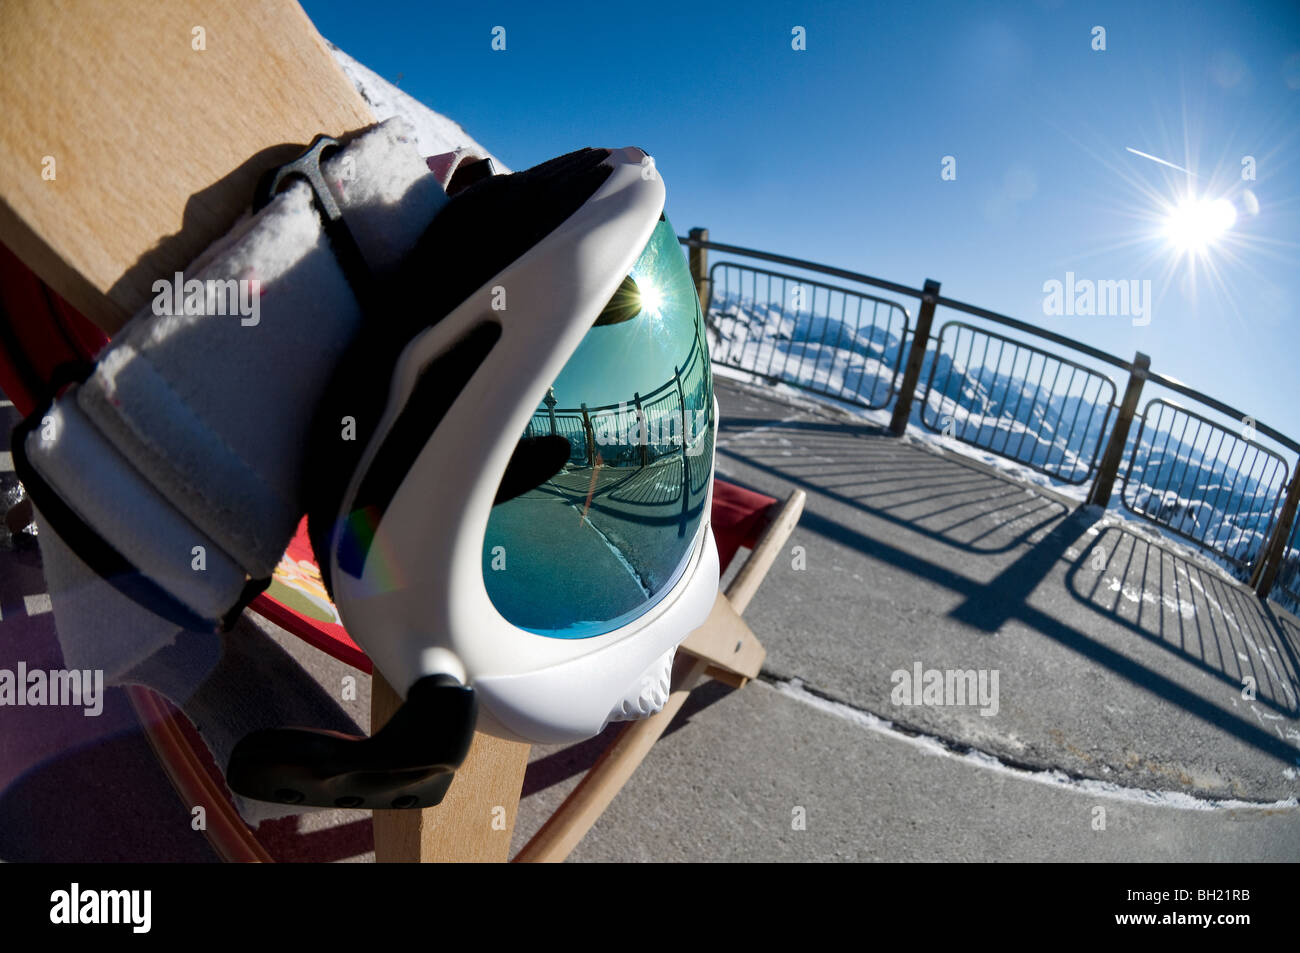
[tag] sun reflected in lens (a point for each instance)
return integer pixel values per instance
(652, 299)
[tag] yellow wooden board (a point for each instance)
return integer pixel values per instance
(134, 132)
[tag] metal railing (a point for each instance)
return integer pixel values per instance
(1210, 482)
(1223, 495)
(854, 357)
(985, 404)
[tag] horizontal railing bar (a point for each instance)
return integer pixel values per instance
(893, 286)
(1228, 411)
(915, 293)
(816, 284)
(1008, 321)
(1028, 328)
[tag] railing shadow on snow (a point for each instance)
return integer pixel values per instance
(1190, 610)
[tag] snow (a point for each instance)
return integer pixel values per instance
(435, 133)
(933, 745)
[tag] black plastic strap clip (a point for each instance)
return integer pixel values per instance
(409, 763)
(307, 167)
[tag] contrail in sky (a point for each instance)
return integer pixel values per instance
(1161, 161)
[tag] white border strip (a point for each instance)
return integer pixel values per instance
(930, 744)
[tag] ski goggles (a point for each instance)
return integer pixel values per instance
(499, 421)
(548, 537)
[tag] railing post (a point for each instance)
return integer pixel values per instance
(1105, 481)
(915, 358)
(699, 259)
(1270, 560)
(681, 401)
(686, 463)
(550, 402)
(642, 431)
(590, 434)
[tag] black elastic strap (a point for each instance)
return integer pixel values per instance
(91, 548)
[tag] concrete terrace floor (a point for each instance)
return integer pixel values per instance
(1119, 688)
(1119, 692)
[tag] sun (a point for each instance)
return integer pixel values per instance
(1197, 223)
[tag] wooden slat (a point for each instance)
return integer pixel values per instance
(584, 805)
(157, 146)
(475, 820)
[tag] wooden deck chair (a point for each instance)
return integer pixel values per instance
(492, 776)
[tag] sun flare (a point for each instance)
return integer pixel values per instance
(1196, 224)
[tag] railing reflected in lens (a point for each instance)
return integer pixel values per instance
(645, 458)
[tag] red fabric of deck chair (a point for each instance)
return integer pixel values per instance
(739, 516)
(39, 333)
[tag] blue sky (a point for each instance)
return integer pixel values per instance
(834, 153)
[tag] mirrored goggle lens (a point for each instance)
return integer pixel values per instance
(600, 510)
